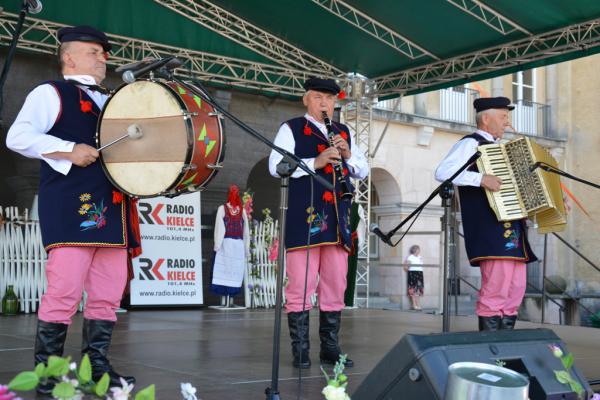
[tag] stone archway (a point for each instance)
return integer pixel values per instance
(265, 188)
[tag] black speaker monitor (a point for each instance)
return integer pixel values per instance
(417, 366)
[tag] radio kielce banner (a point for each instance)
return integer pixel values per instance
(169, 271)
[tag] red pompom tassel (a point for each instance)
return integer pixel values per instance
(307, 130)
(341, 95)
(117, 197)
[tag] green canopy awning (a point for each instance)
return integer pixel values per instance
(403, 46)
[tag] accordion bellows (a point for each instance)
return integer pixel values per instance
(536, 195)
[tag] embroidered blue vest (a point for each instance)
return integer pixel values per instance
(77, 209)
(486, 238)
(329, 217)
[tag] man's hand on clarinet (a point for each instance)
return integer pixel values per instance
(491, 182)
(329, 156)
(340, 143)
(83, 155)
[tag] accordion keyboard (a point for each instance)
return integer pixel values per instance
(507, 203)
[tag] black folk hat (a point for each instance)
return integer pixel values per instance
(322, 85)
(485, 103)
(83, 33)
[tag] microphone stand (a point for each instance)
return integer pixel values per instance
(285, 169)
(11, 54)
(550, 168)
(446, 192)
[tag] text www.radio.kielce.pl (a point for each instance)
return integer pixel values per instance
(177, 238)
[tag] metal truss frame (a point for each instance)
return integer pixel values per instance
(561, 41)
(250, 36)
(375, 28)
(39, 36)
(489, 16)
(358, 115)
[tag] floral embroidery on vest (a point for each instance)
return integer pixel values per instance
(512, 236)
(93, 213)
(318, 221)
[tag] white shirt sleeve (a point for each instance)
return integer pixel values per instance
(285, 140)
(219, 228)
(458, 155)
(357, 163)
(27, 135)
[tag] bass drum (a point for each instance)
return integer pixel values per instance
(181, 145)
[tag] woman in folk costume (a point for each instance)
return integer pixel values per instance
(232, 246)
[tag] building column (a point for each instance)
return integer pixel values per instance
(421, 104)
(498, 86)
(552, 100)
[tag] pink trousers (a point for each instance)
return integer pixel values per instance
(101, 272)
(503, 286)
(330, 265)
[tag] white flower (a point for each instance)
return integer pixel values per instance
(188, 391)
(73, 382)
(72, 366)
(335, 393)
(78, 395)
(122, 393)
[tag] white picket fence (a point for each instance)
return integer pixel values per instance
(22, 258)
(260, 276)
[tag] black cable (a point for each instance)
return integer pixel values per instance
(410, 226)
(312, 203)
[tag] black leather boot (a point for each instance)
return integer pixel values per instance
(490, 323)
(508, 322)
(96, 341)
(329, 327)
(299, 331)
(49, 341)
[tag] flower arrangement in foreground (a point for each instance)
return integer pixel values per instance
(74, 383)
(336, 386)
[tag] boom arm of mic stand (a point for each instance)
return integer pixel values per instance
(433, 194)
(550, 168)
(209, 99)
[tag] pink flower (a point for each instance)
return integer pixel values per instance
(274, 250)
(5, 394)
(558, 353)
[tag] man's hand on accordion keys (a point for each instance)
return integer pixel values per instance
(491, 182)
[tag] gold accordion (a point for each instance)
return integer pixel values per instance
(536, 195)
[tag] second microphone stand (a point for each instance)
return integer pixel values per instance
(446, 191)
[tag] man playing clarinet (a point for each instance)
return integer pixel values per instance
(318, 236)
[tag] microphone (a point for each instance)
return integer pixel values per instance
(134, 65)
(168, 62)
(384, 238)
(33, 6)
(535, 166)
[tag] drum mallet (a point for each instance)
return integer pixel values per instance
(133, 132)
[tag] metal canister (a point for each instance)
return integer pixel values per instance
(477, 381)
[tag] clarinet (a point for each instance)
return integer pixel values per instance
(337, 166)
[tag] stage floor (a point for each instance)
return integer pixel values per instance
(227, 354)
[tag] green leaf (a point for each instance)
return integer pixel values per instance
(102, 385)
(63, 390)
(576, 387)
(563, 376)
(40, 369)
(567, 361)
(146, 394)
(24, 381)
(342, 378)
(57, 366)
(85, 370)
